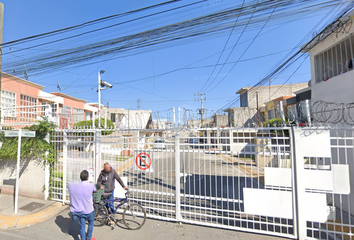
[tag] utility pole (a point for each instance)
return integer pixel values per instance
(259, 119)
(1, 39)
(138, 101)
(128, 117)
(201, 99)
(179, 116)
(174, 117)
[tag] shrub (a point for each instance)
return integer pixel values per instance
(88, 125)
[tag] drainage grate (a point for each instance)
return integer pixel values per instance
(32, 206)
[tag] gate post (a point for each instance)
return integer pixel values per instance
(65, 157)
(299, 184)
(47, 172)
(97, 154)
(178, 178)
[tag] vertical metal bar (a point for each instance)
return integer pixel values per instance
(177, 175)
(293, 177)
(46, 172)
(299, 184)
(65, 156)
(18, 169)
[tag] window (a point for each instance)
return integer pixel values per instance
(335, 61)
(89, 116)
(78, 115)
(67, 113)
(244, 100)
(8, 100)
(27, 101)
(50, 109)
(126, 141)
(270, 114)
(113, 117)
(28, 108)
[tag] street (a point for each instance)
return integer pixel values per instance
(211, 188)
(58, 228)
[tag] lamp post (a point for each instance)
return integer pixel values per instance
(99, 98)
(102, 85)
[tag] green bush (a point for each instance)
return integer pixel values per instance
(30, 147)
(88, 125)
(278, 122)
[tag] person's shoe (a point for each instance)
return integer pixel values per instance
(93, 239)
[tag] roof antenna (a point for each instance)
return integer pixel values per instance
(25, 74)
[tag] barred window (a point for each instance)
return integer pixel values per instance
(8, 103)
(28, 108)
(27, 101)
(334, 61)
(78, 115)
(53, 107)
(67, 113)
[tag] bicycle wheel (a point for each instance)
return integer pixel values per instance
(134, 216)
(101, 216)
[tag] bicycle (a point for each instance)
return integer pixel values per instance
(134, 215)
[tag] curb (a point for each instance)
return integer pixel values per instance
(11, 222)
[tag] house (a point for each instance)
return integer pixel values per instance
(298, 108)
(276, 108)
(24, 102)
(331, 58)
(253, 99)
(125, 139)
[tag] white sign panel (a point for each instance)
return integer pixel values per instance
(336, 180)
(280, 177)
(316, 143)
(270, 203)
(23, 133)
(119, 192)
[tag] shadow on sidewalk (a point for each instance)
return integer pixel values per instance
(67, 226)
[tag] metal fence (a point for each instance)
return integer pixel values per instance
(289, 182)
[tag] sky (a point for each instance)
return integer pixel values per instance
(25, 18)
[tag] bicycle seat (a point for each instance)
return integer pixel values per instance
(106, 195)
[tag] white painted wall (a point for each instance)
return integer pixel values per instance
(32, 177)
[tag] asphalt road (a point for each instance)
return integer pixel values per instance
(211, 188)
(59, 228)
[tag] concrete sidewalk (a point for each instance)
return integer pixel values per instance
(30, 212)
(59, 228)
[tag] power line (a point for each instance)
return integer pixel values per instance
(212, 24)
(222, 52)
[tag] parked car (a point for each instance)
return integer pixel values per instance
(159, 144)
(193, 140)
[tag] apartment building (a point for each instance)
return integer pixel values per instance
(24, 102)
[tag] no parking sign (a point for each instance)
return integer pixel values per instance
(143, 162)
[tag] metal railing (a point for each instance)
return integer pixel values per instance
(282, 181)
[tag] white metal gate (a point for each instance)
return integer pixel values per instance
(289, 182)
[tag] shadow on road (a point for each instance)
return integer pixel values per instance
(67, 226)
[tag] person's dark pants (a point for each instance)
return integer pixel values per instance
(111, 204)
(82, 220)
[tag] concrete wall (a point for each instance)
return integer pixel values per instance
(32, 177)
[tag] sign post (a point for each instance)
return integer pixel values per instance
(18, 134)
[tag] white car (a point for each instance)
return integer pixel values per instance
(159, 144)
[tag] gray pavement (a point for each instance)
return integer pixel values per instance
(59, 227)
(26, 205)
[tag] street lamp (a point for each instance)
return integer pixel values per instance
(102, 85)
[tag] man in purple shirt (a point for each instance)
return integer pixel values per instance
(81, 204)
